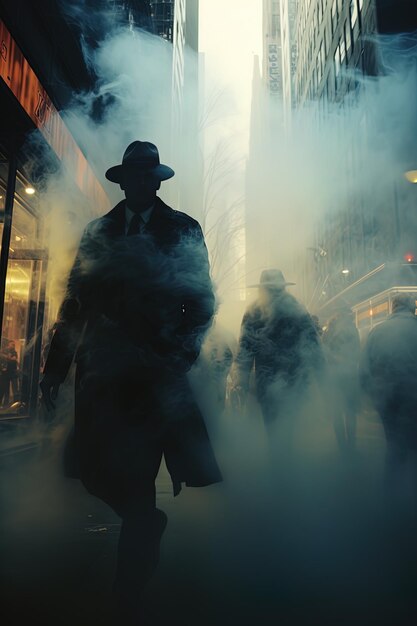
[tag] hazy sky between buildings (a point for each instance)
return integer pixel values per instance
(230, 34)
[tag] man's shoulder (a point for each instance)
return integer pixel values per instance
(115, 214)
(178, 217)
(253, 312)
(391, 327)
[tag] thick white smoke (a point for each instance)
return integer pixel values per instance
(295, 531)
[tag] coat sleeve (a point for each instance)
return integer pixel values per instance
(71, 318)
(198, 300)
(245, 356)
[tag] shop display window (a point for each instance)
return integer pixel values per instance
(23, 304)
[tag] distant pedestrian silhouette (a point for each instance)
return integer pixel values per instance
(389, 375)
(279, 340)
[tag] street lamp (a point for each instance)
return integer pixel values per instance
(411, 176)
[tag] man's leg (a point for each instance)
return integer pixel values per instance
(138, 549)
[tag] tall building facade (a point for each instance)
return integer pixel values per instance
(368, 244)
(186, 21)
(163, 18)
(270, 114)
(333, 36)
(289, 56)
(186, 152)
(272, 52)
(136, 13)
(256, 229)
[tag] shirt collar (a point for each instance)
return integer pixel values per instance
(145, 215)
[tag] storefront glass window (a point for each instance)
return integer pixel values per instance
(4, 168)
(23, 304)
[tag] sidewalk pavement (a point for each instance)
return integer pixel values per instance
(238, 554)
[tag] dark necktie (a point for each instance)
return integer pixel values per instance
(136, 225)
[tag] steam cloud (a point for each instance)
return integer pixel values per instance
(293, 532)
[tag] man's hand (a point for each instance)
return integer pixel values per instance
(49, 387)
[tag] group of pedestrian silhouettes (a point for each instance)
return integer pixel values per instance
(138, 305)
(287, 350)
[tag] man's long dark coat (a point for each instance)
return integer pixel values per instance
(134, 316)
(280, 341)
(388, 372)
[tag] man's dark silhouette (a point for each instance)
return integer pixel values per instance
(139, 300)
(279, 339)
(388, 372)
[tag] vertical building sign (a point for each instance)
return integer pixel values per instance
(274, 69)
(272, 62)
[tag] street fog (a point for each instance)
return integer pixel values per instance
(298, 532)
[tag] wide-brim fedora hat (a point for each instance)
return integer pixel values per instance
(272, 278)
(144, 156)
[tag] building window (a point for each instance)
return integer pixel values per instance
(342, 49)
(275, 26)
(334, 16)
(348, 38)
(353, 13)
(320, 62)
(319, 66)
(337, 61)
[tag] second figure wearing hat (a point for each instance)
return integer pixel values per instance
(279, 340)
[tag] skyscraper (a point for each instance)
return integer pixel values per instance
(163, 18)
(289, 55)
(272, 53)
(337, 44)
(185, 107)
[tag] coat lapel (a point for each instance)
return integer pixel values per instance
(115, 220)
(161, 224)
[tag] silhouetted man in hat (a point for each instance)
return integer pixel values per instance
(279, 340)
(139, 301)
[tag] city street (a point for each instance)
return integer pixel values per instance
(306, 548)
(208, 251)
